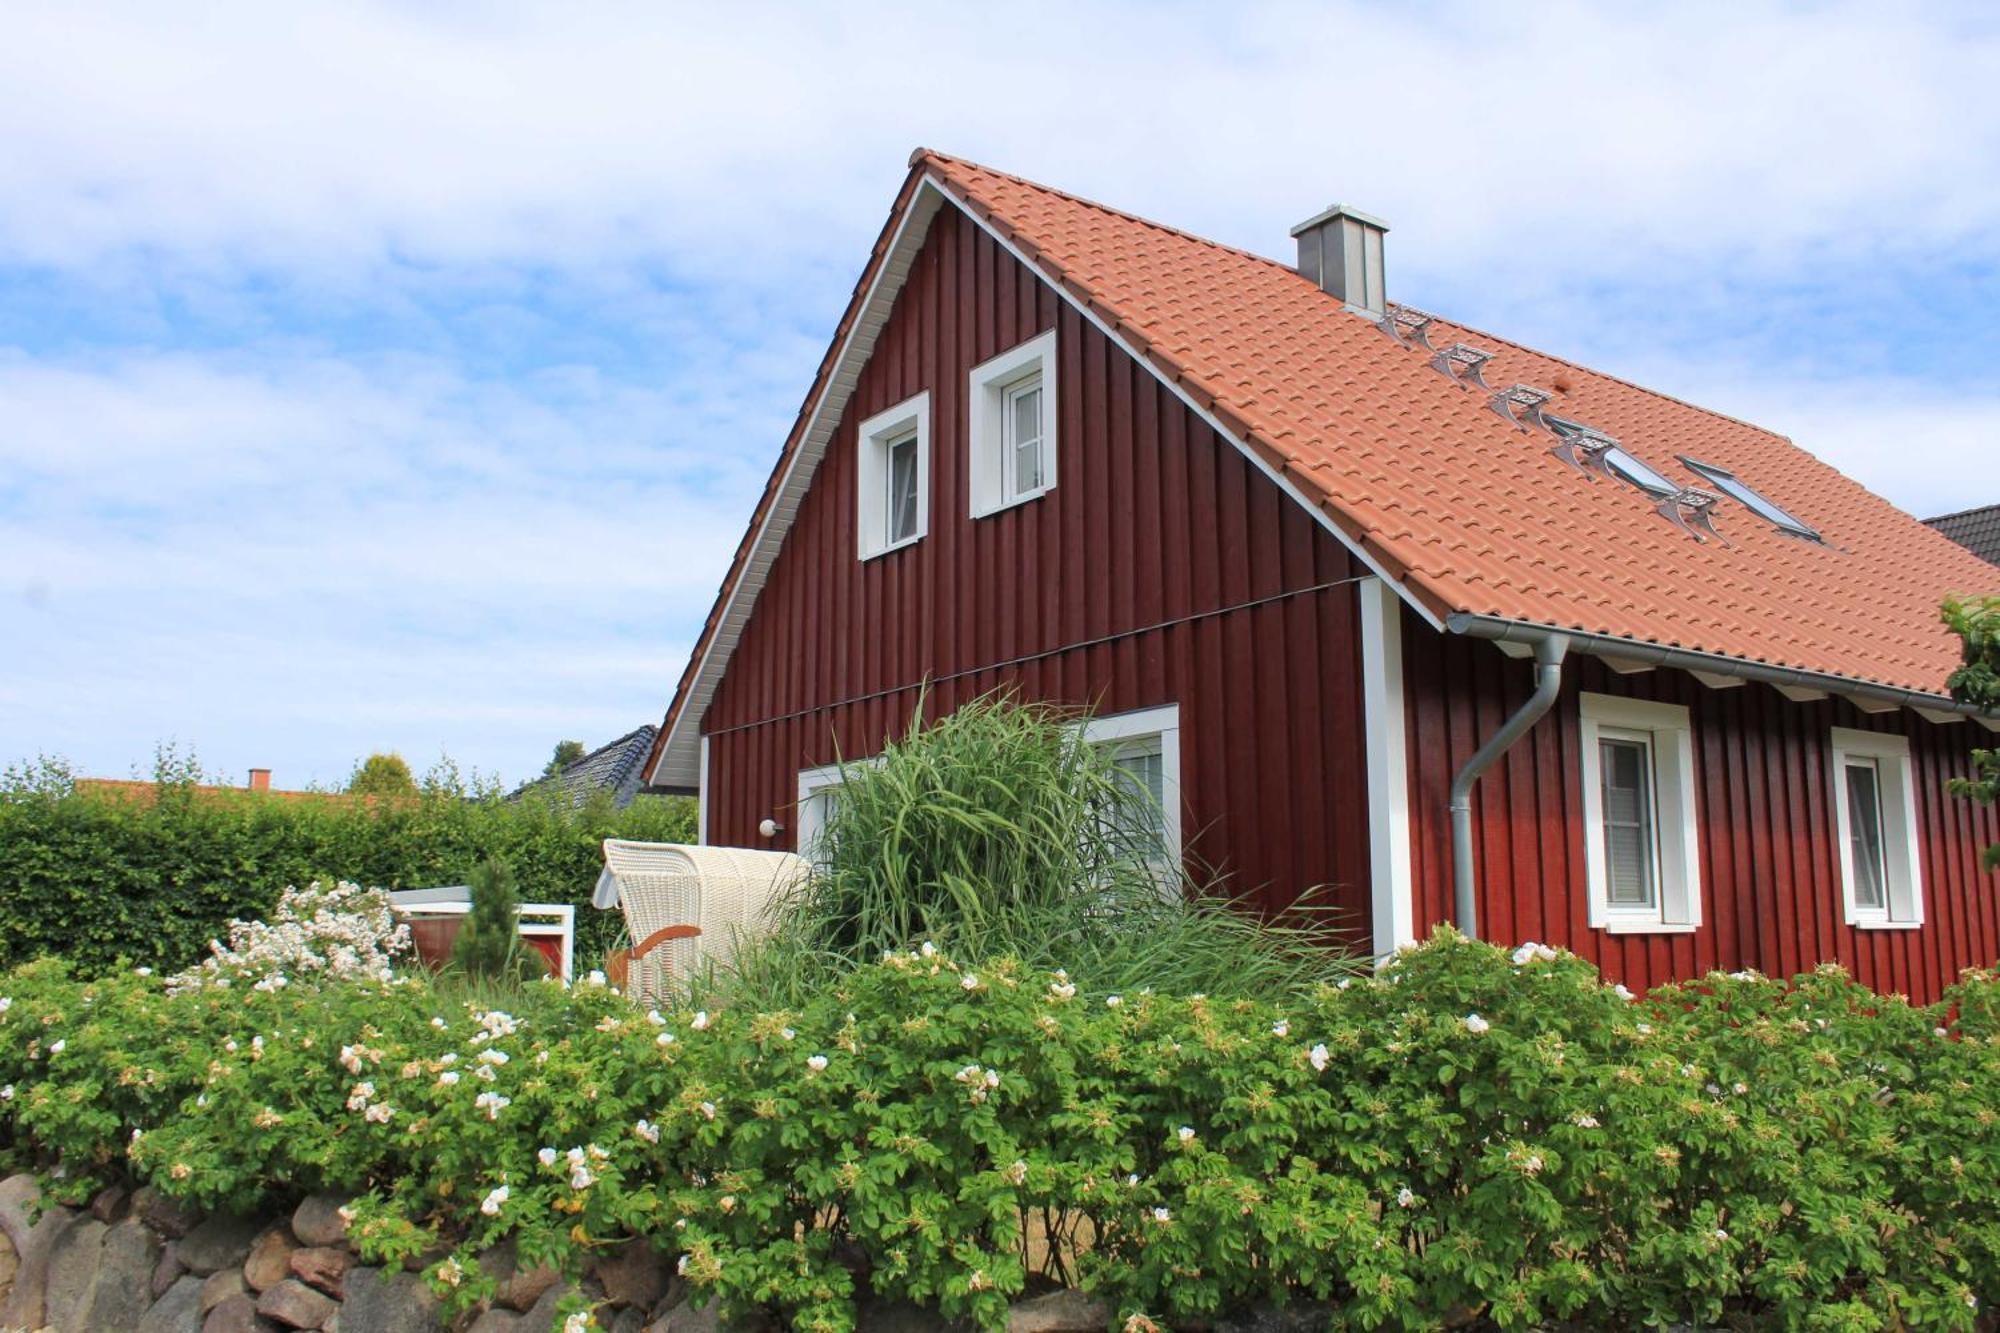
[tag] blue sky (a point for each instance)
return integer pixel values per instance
(400, 377)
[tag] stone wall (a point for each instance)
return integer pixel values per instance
(140, 1263)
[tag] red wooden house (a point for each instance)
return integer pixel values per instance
(1316, 559)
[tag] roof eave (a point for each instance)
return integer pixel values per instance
(1500, 629)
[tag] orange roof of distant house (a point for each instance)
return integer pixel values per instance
(1468, 513)
(146, 789)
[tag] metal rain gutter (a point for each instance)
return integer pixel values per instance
(1687, 659)
(1550, 648)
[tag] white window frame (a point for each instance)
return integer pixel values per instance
(1162, 724)
(809, 814)
(1677, 861)
(992, 462)
(1895, 788)
(874, 438)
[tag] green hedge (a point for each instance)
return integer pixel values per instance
(98, 877)
(1464, 1135)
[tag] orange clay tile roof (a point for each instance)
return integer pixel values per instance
(1469, 512)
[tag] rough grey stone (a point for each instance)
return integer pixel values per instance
(684, 1318)
(627, 1320)
(317, 1220)
(10, 1262)
(166, 1216)
(238, 1314)
(295, 1305)
(542, 1315)
(322, 1266)
(635, 1275)
(108, 1205)
(122, 1288)
(269, 1261)
(223, 1241)
(886, 1316)
(497, 1321)
(220, 1286)
(168, 1271)
(1305, 1317)
(1063, 1311)
(384, 1302)
(23, 1305)
(515, 1289)
(178, 1311)
(72, 1272)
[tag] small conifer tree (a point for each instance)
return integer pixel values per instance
(489, 944)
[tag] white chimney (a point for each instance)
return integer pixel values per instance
(1341, 250)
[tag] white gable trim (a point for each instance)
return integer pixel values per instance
(680, 756)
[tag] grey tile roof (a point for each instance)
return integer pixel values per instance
(1977, 530)
(616, 768)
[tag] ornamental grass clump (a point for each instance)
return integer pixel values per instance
(997, 831)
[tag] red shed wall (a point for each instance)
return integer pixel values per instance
(1162, 568)
(1769, 875)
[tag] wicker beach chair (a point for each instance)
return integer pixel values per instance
(686, 905)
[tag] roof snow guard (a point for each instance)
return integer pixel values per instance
(1332, 411)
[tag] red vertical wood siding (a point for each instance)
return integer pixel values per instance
(1124, 587)
(1769, 871)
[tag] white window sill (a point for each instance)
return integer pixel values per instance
(1014, 503)
(892, 547)
(1882, 923)
(1649, 927)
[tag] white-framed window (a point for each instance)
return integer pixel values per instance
(1642, 852)
(1145, 746)
(894, 477)
(1013, 426)
(1875, 819)
(819, 792)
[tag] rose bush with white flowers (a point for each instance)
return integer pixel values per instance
(1730, 1151)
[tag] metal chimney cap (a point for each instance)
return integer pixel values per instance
(1340, 211)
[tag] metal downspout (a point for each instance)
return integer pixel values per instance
(1550, 649)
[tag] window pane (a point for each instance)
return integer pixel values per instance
(1024, 424)
(1626, 778)
(902, 489)
(1142, 815)
(1864, 835)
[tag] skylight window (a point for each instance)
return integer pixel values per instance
(1632, 470)
(1730, 485)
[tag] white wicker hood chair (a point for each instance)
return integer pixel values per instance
(685, 905)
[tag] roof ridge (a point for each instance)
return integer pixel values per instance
(1620, 380)
(932, 154)
(1990, 506)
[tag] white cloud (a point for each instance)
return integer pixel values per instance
(346, 133)
(404, 374)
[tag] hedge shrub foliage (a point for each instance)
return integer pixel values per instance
(151, 880)
(1465, 1133)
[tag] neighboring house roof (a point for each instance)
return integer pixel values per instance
(1462, 512)
(617, 768)
(148, 789)
(1977, 530)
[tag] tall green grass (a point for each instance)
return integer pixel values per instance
(998, 831)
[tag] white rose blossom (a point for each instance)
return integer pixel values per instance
(495, 1200)
(345, 933)
(1318, 1058)
(1476, 1025)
